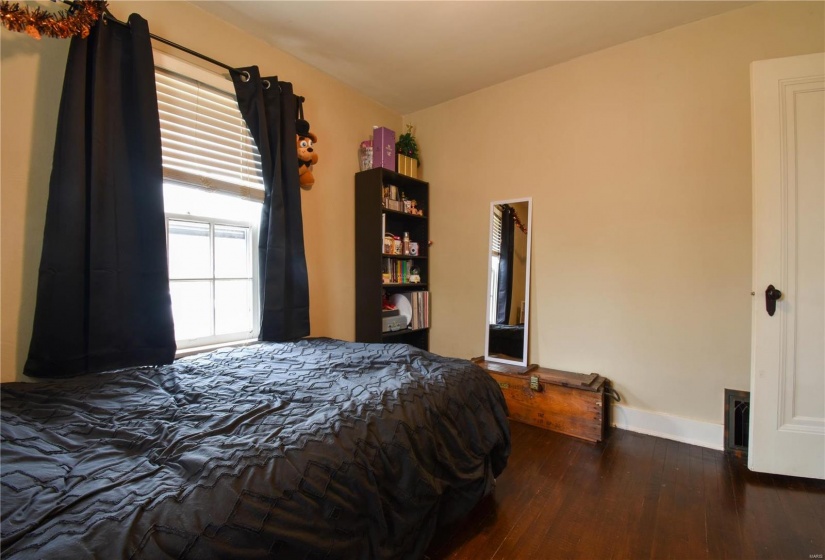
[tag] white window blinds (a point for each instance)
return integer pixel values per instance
(205, 141)
(496, 240)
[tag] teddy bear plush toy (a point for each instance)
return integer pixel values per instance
(306, 153)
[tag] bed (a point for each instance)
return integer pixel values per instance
(314, 449)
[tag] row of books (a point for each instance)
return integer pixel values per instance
(420, 304)
(396, 271)
(397, 205)
(390, 192)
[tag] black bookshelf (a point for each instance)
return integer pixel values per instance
(370, 218)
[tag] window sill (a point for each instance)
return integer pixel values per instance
(191, 351)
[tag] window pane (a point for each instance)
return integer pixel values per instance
(189, 250)
(192, 309)
(232, 252)
(233, 306)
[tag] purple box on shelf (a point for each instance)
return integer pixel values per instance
(383, 148)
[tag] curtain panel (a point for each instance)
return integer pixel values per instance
(505, 266)
(270, 109)
(103, 297)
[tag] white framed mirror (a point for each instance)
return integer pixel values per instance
(508, 281)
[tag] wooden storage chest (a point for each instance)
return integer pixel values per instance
(571, 403)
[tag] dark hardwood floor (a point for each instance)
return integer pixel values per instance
(635, 496)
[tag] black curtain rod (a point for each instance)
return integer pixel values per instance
(184, 49)
(108, 16)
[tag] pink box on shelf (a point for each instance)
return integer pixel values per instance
(383, 148)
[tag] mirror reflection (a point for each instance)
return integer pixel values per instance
(508, 285)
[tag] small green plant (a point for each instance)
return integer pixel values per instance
(406, 145)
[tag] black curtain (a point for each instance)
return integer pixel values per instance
(103, 289)
(505, 266)
(270, 109)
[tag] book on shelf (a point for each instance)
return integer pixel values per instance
(397, 205)
(396, 271)
(389, 192)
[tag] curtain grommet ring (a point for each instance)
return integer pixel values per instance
(266, 83)
(245, 76)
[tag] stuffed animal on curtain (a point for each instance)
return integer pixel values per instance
(306, 153)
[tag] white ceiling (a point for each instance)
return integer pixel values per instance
(412, 55)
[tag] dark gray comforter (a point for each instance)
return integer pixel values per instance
(314, 449)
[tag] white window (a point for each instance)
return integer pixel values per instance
(212, 195)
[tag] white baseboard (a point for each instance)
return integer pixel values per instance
(668, 426)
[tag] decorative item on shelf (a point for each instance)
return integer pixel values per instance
(405, 243)
(407, 166)
(407, 150)
(394, 323)
(413, 249)
(389, 244)
(383, 148)
(414, 209)
(304, 140)
(402, 303)
(415, 275)
(365, 155)
(391, 319)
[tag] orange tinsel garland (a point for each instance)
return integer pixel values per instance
(78, 20)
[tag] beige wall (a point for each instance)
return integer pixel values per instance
(638, 161)
(32, 77)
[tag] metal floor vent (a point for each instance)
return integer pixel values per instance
(737, 421)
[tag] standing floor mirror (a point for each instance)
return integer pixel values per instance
(508, 283)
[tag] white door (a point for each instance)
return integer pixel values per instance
(788, 349)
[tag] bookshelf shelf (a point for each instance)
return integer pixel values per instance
(390, 334)
(401, 257)
(405, 214)
(373, 219)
